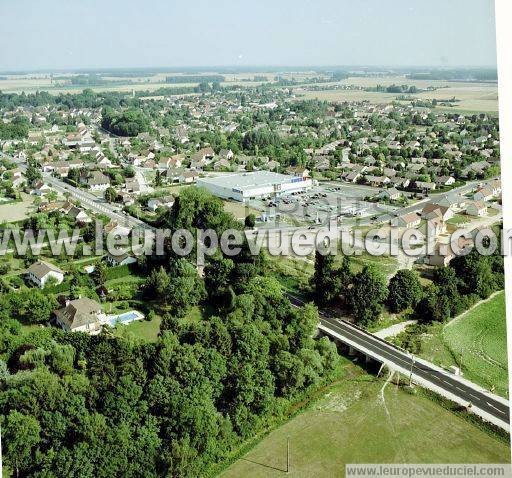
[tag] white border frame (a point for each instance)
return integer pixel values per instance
(503, 15)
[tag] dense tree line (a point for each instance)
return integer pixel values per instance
(453, 289)
(16, 129)
(102, 406)
(130, 122)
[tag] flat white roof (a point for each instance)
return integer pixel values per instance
(247, 180)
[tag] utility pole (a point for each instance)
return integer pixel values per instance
(410, 371)
(288, 455)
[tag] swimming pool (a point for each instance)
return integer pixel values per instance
(124, 318)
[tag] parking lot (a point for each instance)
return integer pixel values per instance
(323, 203)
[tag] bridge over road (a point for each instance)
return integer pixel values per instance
(488, 406)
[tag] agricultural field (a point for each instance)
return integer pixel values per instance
(34, 82)
(363, 419)
(474, 97)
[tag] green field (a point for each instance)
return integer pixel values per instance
(479, 339)
(141, 329)
(360, 421)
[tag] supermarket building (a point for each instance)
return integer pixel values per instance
(245, 186)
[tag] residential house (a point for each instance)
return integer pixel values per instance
(408, 221)
(164, 201)
(221, 164)
(376, 181)
(452, 201)
(80, 315)
(119, 259)
(425, 186)
(444, 181)
(76, 213)
(436, 226)
(132, 185)
(40, 188)
(40, 273)
(188, 177)
(496, 187)
(226, 153)
(389, 172)
(476, 208)
(399, 182)
(441, 256)
(104, 163)
(272, 165)
(432, 210)
(298, 171)
(484, 193)
(392, 194)
(351, 176)
(97, 181)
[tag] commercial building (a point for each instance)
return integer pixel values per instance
(245, 186)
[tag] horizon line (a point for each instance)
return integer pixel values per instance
(206, 68)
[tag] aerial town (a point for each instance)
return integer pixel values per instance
(252, 269)
(261, 157)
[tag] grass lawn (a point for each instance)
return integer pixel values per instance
(359, 420)
(480, 338)
(387, 265)
(239, 210)
(143, 329)
(127, 279)
(458, 219)
(149, 330)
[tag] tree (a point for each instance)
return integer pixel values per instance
(52, 196)
(99, 275)
(186, 288)
(158, 179)
(21, 435)
(476, 273)
(130, 122)
(289, 371)
(345, 275)
(250, 220)
(367, 295)
(157, 284)
(434, 306)
(404, 290)
(325, 281)
(34, 307)
(446, 278)
(33, 173)
(110, 194)
(217, 281)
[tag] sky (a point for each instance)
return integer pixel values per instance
(71, 34)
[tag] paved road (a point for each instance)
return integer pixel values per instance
(94, 203)
(88, 200)
(385, 352)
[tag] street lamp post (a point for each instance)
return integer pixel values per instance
(410, 371)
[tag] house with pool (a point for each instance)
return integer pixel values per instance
(86, 315)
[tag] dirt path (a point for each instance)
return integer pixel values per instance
(394, 329)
